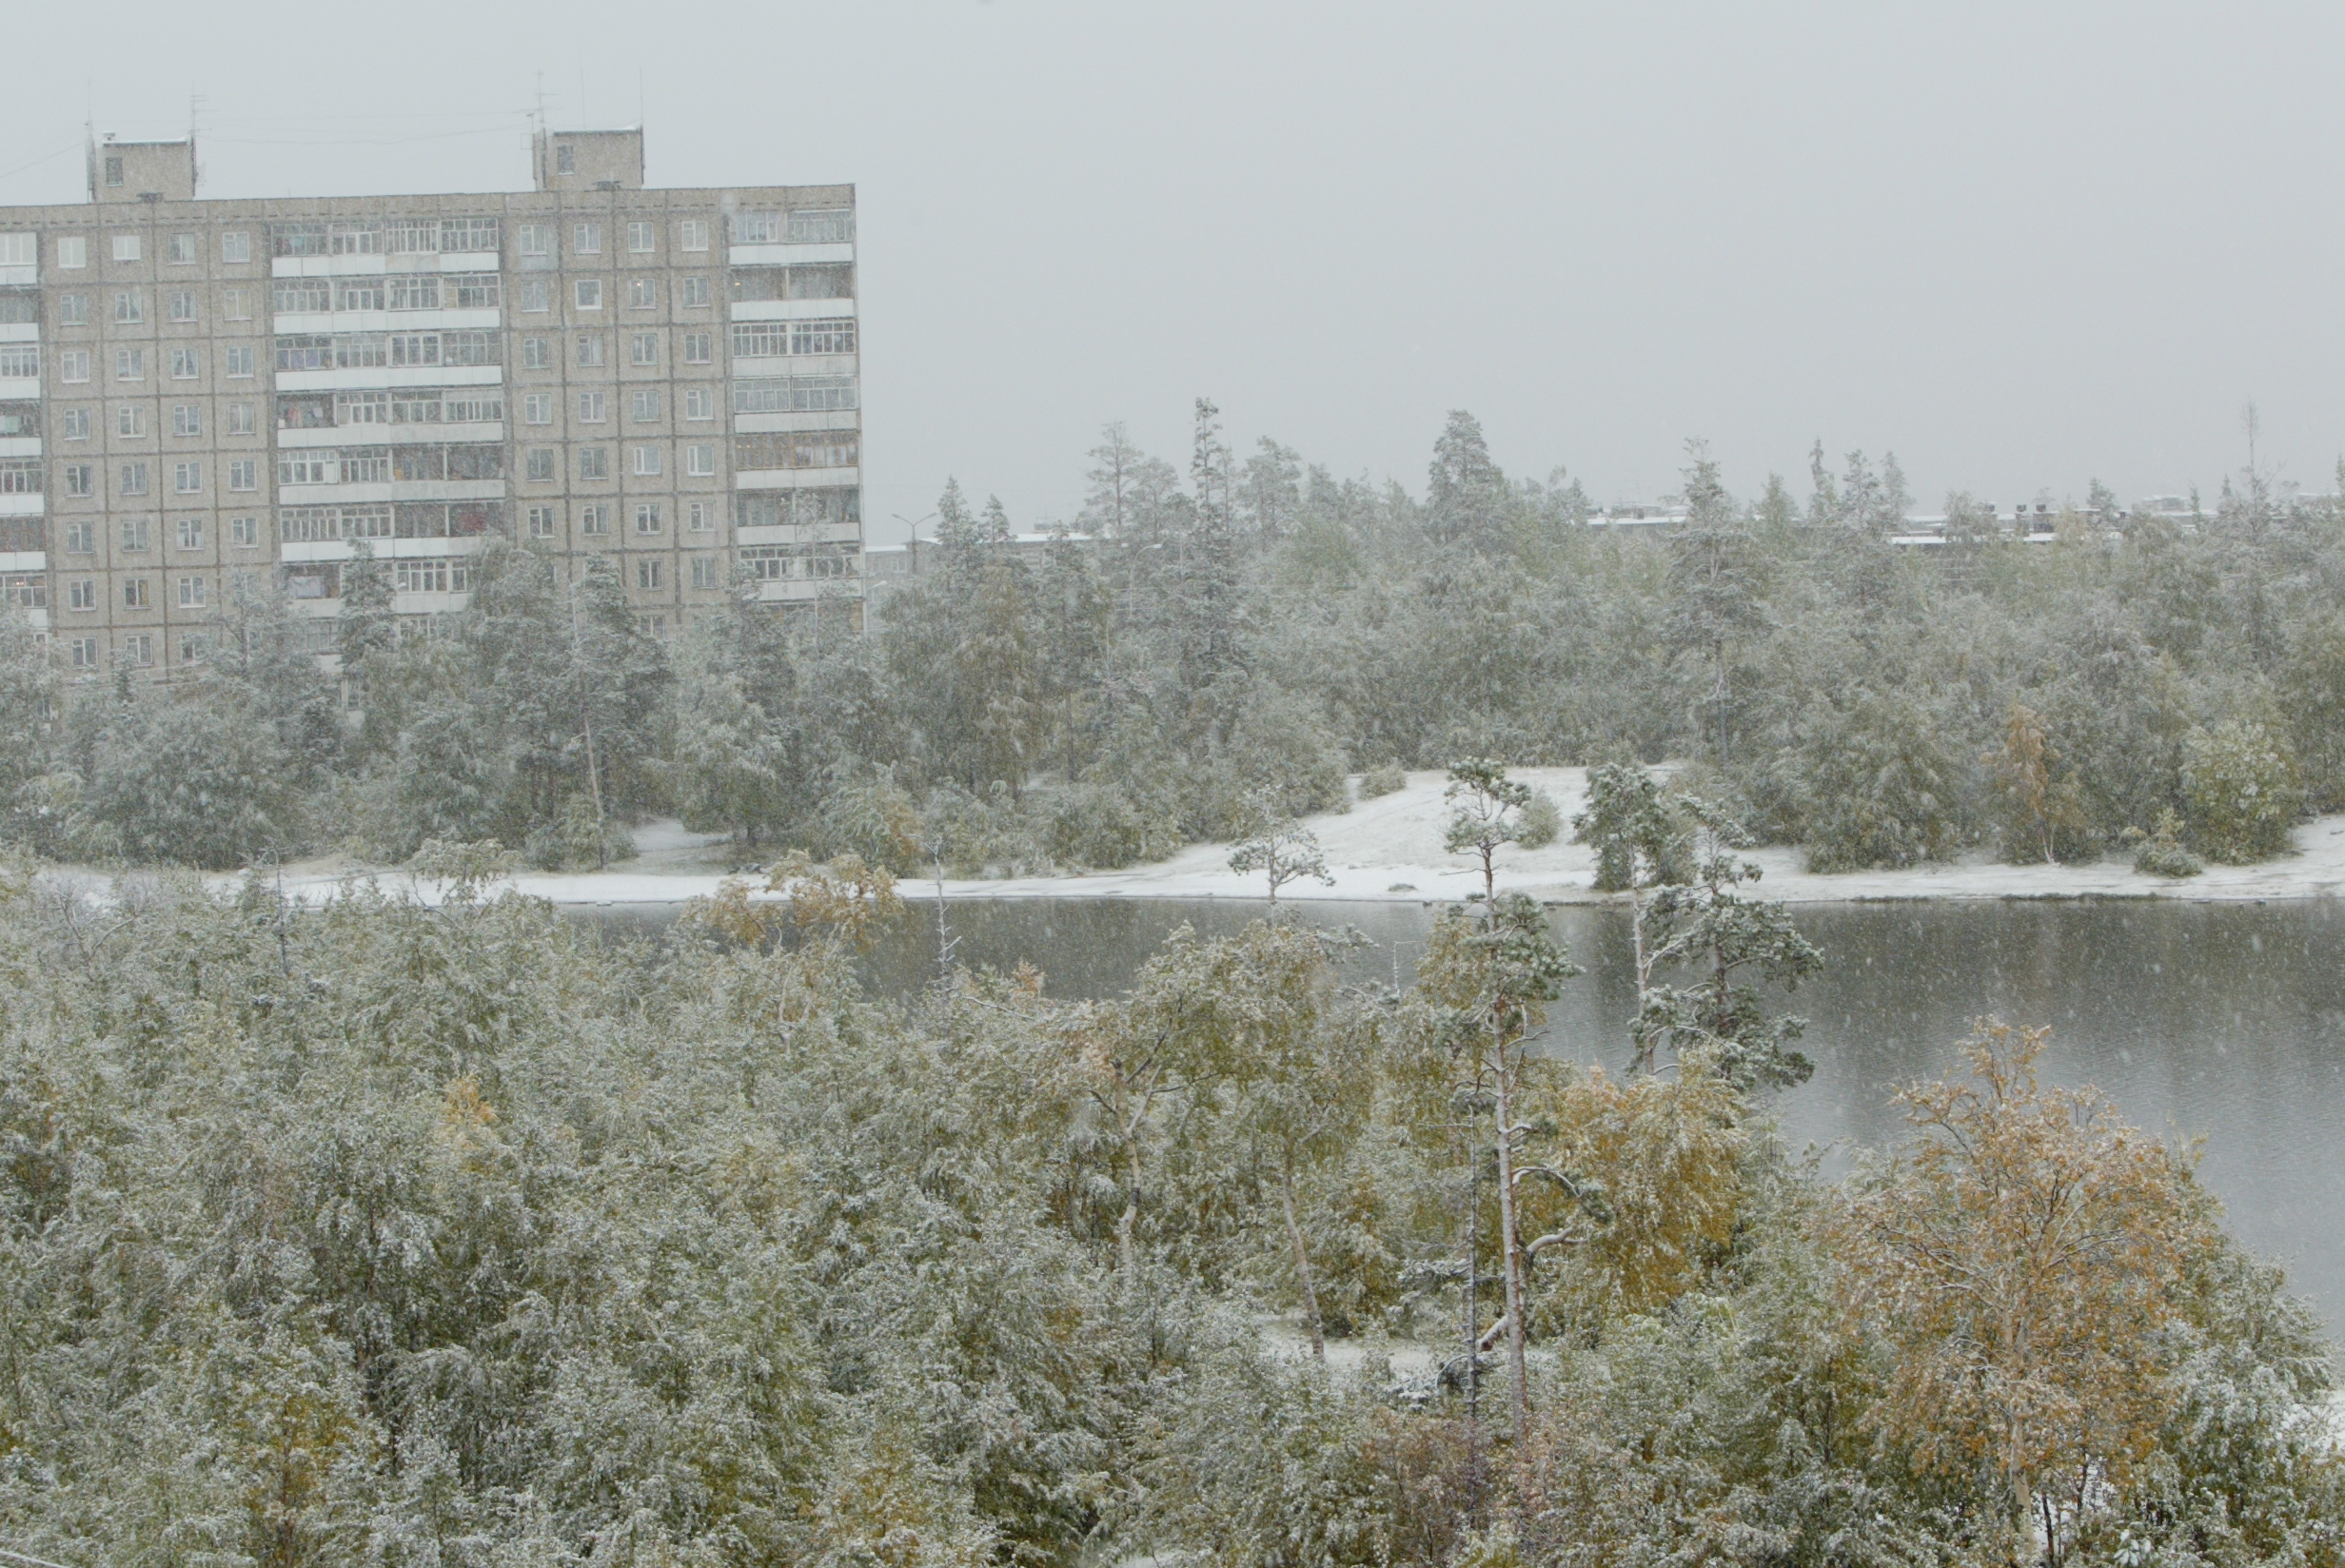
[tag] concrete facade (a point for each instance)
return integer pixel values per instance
(193, 391)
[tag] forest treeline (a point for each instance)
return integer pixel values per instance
(466, 1237)
(1211, 645)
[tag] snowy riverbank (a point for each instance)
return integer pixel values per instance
(1388, 849)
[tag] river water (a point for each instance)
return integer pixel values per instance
(2223, 1023)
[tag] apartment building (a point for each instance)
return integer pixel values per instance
(196, 391)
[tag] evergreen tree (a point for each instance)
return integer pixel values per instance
(1713, 588)
(1465, 496)
(1270, 494)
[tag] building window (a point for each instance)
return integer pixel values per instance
(756, 228)
(594, 520)
(701, 460)
(180, 250)
(81, 535)
(140, 649)
(408, 291)
(129, 307)
(73, 251)
(240, 419)
(647, 571)
(834, 225)
(74, 364)
(695, 290)
(698, 348)
(244, 533)
(184, 367)
(133, 479)
(586, 239)
(592, 407)
(79, 479)
(187, 419)
(244, 473)
(594, 462)
(430, 576)
(236, 304)
(640, 238)
(646, 460)
(192, 533)
(236, 249)
(190, 593)
(691, 234)
(537, 240)
(705, 572)
(129, 419)
(85, 653)
(825, 336)
(540, 522)
(130, 364)
(566, 159)
(647, 517)
(534, 355)
(644, 348)
(20, 477)
(77, 424)
(589, 349)
(72, 310)
(699, 517)
(587, 293)
(134, 535)
(538, 464)
(537, 408)
(537, 294)
(700, 402)
(643, 405)
(183, 304)
(82, 594)
(20, 362)
(126, 245)
(134, 594)
(643, 293)
(240, 360)
(187, 477)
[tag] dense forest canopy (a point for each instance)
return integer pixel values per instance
(458, 1235)
(1248, 632)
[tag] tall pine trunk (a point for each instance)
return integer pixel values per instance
(1511, 1251)
(1302, 1266)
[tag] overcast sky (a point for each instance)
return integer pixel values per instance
(2022, 246)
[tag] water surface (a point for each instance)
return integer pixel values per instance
(2223, 1023)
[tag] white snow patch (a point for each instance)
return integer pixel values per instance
(1390, 851)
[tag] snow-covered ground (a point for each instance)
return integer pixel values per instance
(1390, 850)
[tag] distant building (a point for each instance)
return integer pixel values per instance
(900, 566)
(195, 391)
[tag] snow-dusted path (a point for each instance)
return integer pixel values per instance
(1390, 850)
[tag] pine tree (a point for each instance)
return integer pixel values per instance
(1713, 594)
(1467, 501)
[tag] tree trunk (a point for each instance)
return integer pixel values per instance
(1510, 1251)
(1126, 1253)
(1302, 1267)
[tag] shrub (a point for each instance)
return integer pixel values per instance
(871, 815)
(1099, 826)
(2240, 791)
(1876, 789)
(1543, 821)
(1383, 779)
(2160, 852)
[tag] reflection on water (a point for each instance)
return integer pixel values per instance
(2222, 1022)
